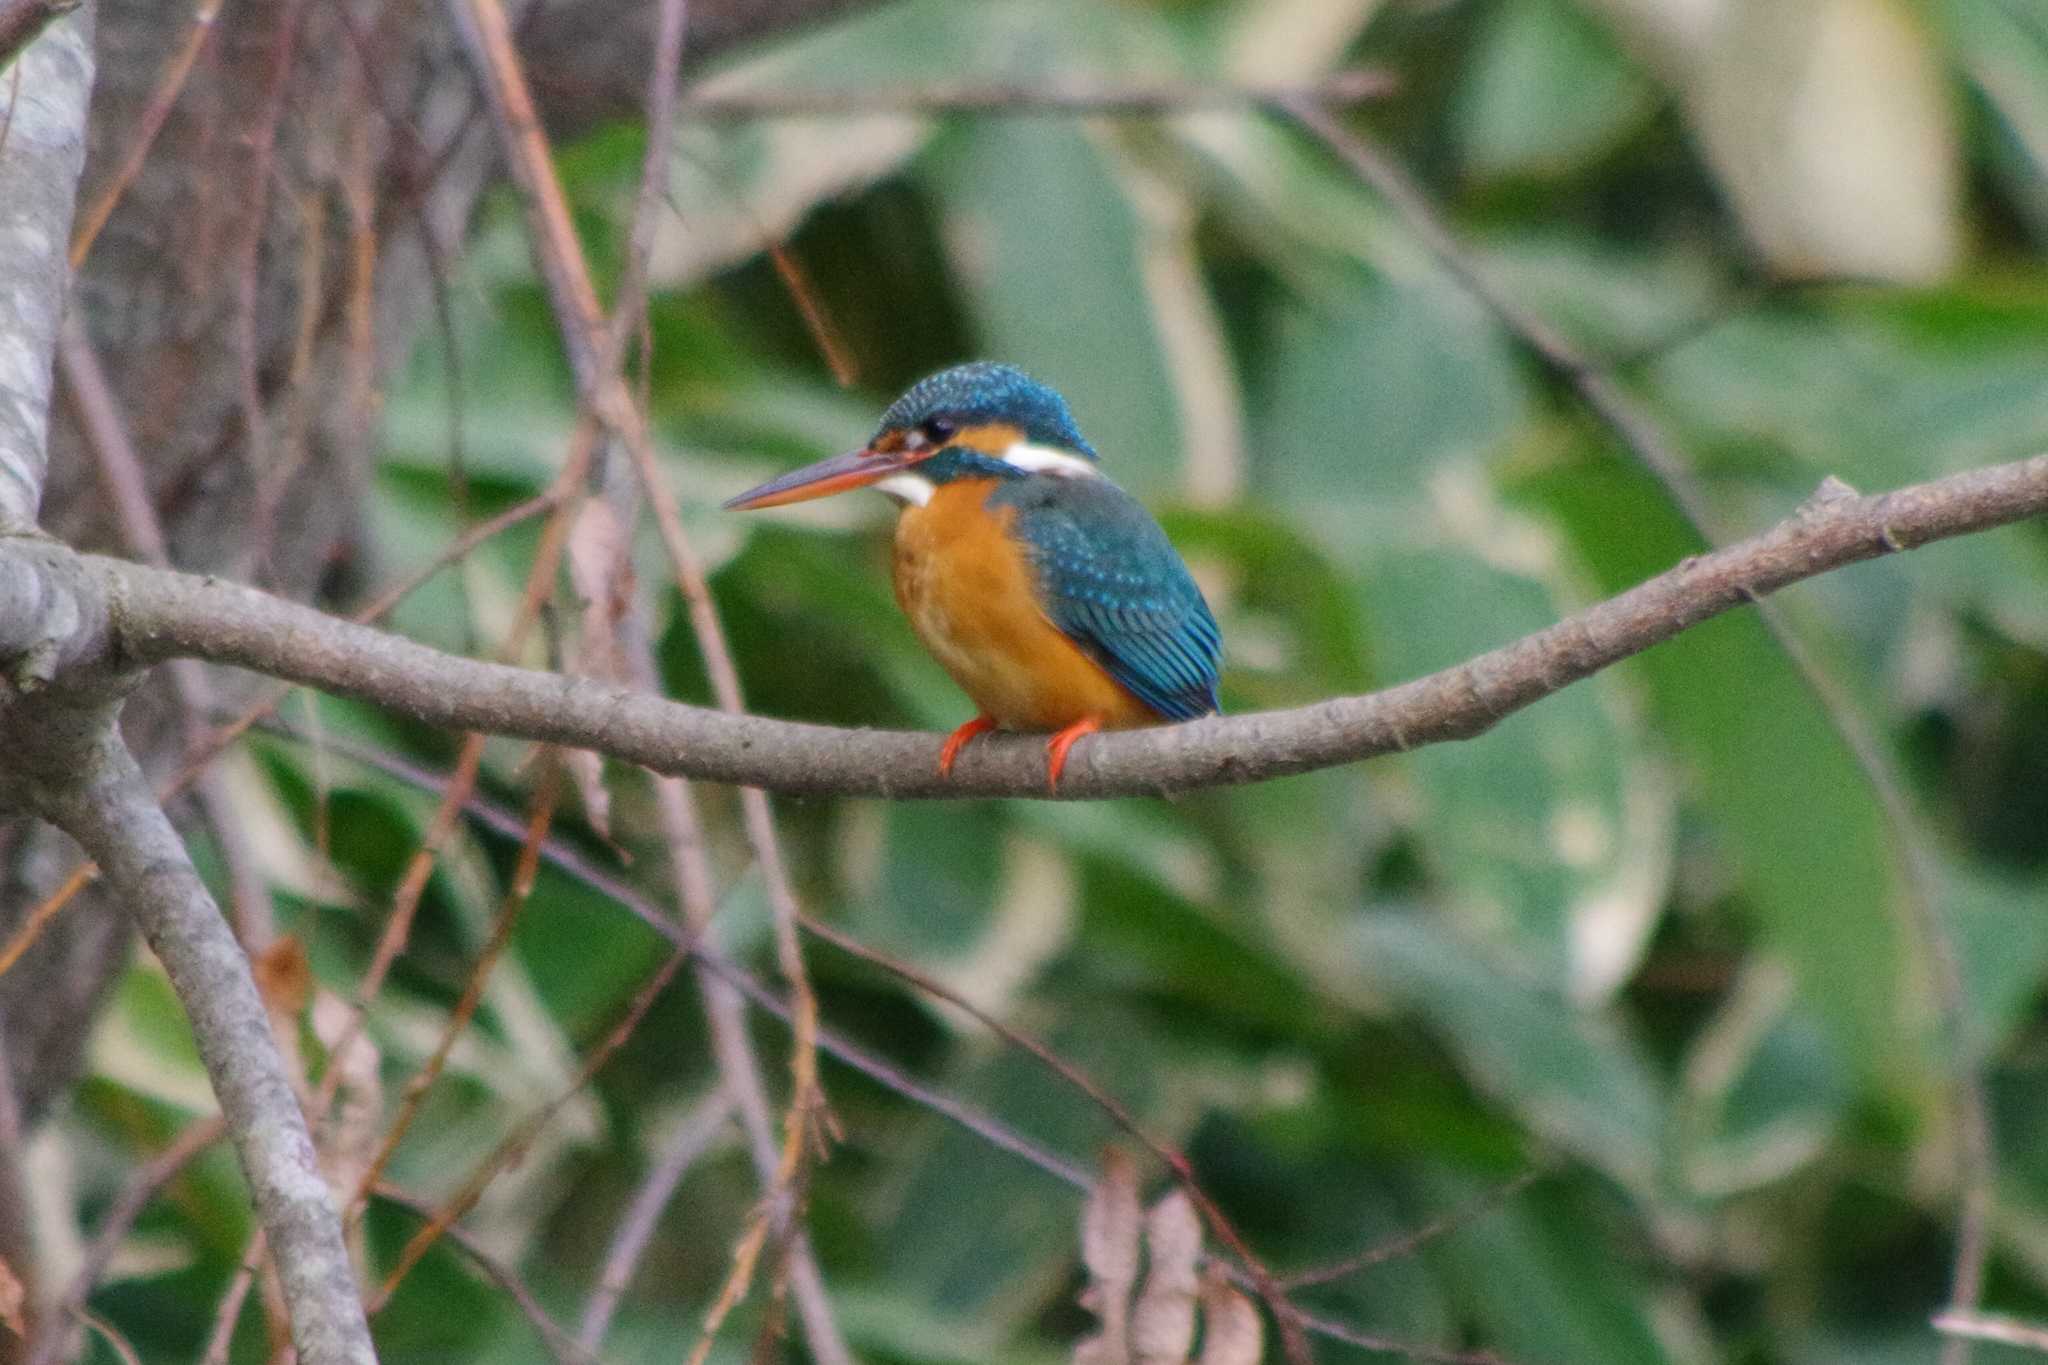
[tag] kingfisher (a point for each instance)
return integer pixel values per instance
(1049, 594)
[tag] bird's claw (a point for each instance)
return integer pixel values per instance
(957, 741)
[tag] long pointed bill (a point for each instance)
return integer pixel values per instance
(854, 469)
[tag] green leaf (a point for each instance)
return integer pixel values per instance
(1572, 1075)
(1545, 840)
(1766, 764)
(1883, 390)
(1998, 925)
(1033, 210)
(1548, 92)
(1763, 1092)
(2004, 46)
(1545, 1281)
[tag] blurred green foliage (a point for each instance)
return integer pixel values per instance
(1652, 933)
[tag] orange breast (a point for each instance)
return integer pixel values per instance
(970, 596)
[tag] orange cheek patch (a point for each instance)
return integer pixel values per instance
(990, 438)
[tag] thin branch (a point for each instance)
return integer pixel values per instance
(663, 76)
(108, 807)
(719, 969)
(691, 1139)
(261, 151)
(2005, 1331)
(227, 1314)
(119, 467)
(197, 763)
(731, 1048)
(565, 1349)
(1333, 1330)
(42, 912)
(1269, 1289)
(539, 817)
(594, 351)
(1410, 1242)
(109, 1334)
(166, 615)
(1036, 101)
(161, 100)
(515, 1144)
(1653, 447)
(39, 167)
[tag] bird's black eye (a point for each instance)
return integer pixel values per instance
(939, 430)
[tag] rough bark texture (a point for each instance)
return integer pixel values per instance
(44, 96)
(261, 276)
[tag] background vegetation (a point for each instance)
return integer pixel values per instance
(1656, 938)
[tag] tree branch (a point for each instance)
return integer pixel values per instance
(42, 150)
(22, 21)
(1648, 440)
(1036, 101)
(164, 615)
(107, 805)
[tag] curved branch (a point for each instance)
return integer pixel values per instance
(161, 615)
(111, 811)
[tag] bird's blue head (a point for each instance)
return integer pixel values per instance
(958, 406)
(977, 420)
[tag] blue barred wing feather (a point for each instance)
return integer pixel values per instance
(1111, 581)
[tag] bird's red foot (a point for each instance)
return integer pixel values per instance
(1056, 748)
(957, 741)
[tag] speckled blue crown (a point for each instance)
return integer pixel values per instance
(988, 392)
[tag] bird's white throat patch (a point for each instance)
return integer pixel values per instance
(907, 487)
(913, 489)
(1039, 459)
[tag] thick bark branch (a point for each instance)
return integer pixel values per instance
(159, 615)
(42, 113)
(108, 807)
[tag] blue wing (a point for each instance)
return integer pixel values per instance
(1110, 580)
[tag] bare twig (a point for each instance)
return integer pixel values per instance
(122, 479)
(43, 911)
(691, 1139)
(176, 70)
(539, 817)
(262, 150)
(516, 1143)
(1408, 1243)
(731, 1048)
(720, 970)
(1333, 1330)
(565, 1349)
(1993, 1327)
(227, 1314)
(664, 73)
(109, 809)
(1645, 436)
(109, 1334)
(1269, 1289)
(218, 741)
(1035, 101)
(167, 615)
(594, 351)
